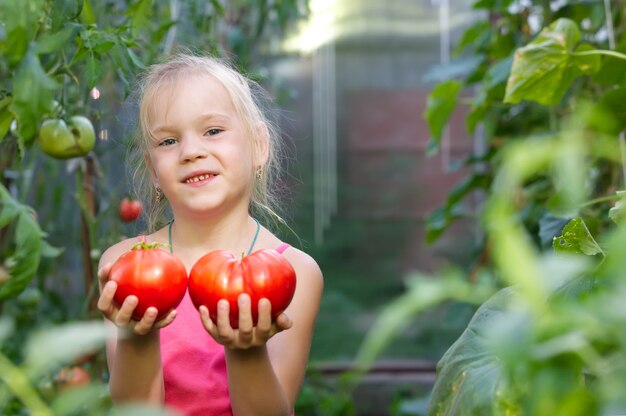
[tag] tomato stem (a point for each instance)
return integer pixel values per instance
(144, 245)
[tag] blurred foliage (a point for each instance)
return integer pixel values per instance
(58, 59)
(546, 339)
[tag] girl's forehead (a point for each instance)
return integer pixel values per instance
(191, 90)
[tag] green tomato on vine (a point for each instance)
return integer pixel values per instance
(66, 140)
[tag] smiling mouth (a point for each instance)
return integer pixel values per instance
(199, 178)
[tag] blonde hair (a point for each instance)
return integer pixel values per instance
(251, 103)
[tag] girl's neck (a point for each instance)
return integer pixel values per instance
(232, 232)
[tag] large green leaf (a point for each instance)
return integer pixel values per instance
(22, 264)
(20, 21)
(439, 106)
(576, 239)
(544, 69)
(33, 93)
(470, 374)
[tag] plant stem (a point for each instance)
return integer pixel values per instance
(601, 199)
(600, 52)
(17, 382)
(86, 200)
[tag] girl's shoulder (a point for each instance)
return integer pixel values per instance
(112, 253)
(305, 266)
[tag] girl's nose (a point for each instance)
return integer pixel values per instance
(192, 147)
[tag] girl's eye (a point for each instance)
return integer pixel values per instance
(213, 132)
(167, 142)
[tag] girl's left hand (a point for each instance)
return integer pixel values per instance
(247, 335)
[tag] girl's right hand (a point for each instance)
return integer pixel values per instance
(122, 317)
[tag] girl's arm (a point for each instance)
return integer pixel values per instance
(133, 349)
(265, 375)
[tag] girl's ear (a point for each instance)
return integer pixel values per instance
(262, 145)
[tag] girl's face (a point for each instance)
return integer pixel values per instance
(200, 154)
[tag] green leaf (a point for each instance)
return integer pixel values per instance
(544, 69)
(616, 213)
(439, 220)
(613, 70)
(20, 21)
(5, 123)
(33, 95)
(49, 251)
(492, 5)
(50, 347)
(476, 36)
(93, 70)
(469, 375)
(140, 13)
(56, 41)
(608, 115)
(135, 59)
(576, 239)
(63, 11)
(458, 68)
(87, 15)
(23, 262)
(439, 106)
(218, 7)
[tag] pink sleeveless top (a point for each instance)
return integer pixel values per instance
(194, 365)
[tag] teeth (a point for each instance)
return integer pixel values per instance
(198, 178)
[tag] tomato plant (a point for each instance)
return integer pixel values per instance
(156, 277)
(263, 274)
(66, 140)
(130, 209)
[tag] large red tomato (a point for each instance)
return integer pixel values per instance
(155, 276)
(263, 274)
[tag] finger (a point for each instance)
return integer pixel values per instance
(246, 325)
(103, 274)
(224, 330)
(105, 301)
(125, 313)
(207, 322)
(264, 325)
(147, 321)
(169, 318)
(283, 322)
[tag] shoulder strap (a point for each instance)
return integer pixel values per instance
(282, 247)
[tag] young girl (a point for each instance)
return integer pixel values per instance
(209, 151)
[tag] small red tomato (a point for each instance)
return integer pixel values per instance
(263, 274)
(157, 277)
(130, 209)
(72, 377)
